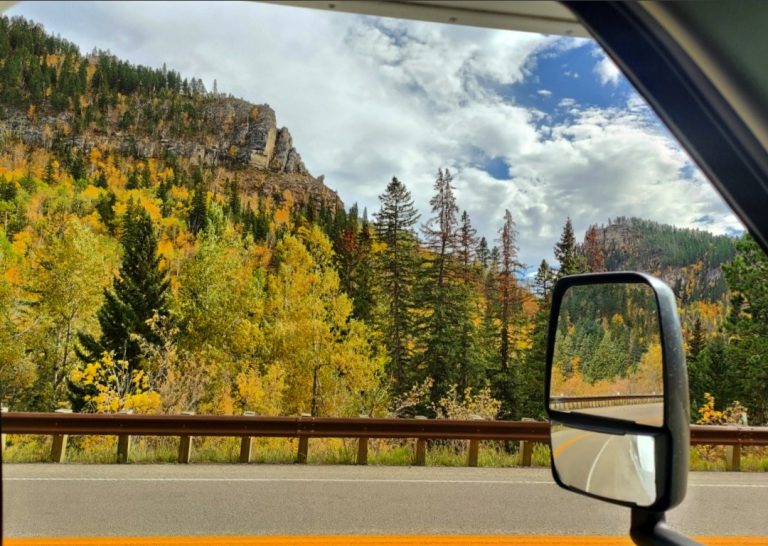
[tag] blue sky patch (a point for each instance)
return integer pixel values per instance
(570, 74)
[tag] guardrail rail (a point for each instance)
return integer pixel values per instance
(61, 425)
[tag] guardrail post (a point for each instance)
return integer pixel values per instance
(246, 443)
(123, 443)
(59, 447)
(474, 450)
(421, 452)
(526, 453)
(185, 444)
(733, 458)
(2, 434)
(474, 446)
(526, 449)
(420, 458)
(362, 448)
(303, 452)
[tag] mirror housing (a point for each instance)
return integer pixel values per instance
(669, 441)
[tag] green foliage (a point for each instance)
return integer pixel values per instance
(397, 260)
(747, 326)
(137, 294)
(572, 261)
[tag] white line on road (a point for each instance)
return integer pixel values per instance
(594, 464)
(282, 480)
(345, 480)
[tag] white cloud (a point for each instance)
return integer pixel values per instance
(367, 99)
(544, 92)
(607, 71)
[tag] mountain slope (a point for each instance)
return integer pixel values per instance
(55, 98)
(688, 260)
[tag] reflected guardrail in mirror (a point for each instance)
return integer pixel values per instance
(565, 403)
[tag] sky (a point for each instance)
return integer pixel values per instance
(544, 126)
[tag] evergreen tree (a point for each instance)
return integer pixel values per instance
(48, 175)
(133, 183)
(362, 295)
(544, 281)
(198, 211)
(101, 180)
(508, 295)
(482, 253)
(470, 367)
(234, 205)
(137, 294)
(397, 264)
(697, 342)
(105, 207)
(571, 261)
(508, 287)
(747, 329)
(441, 294)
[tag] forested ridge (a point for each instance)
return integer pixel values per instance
(160, 279)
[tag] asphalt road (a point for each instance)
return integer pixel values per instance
(619, 467)
(144, 500)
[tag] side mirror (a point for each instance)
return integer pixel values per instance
(617, 396)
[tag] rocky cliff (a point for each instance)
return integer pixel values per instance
(236, 135)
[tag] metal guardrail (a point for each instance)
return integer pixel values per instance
(578, 402)
(60, 425)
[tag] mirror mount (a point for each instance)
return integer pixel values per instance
(649, 528)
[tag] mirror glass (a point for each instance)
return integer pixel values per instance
(607, 357)
(614, 466)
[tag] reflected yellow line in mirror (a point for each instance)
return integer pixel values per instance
(381, 540)
(569, 442)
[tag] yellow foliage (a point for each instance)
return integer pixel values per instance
(378, 247)
(262, 393)
(179, 193)
(95, 155)
(112, 387)
(92, 192)
(282, 217)
(21, 242)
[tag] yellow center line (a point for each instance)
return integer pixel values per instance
(355, 540)
(568, 443)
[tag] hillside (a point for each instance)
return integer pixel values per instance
(54, 98)
(688, 260)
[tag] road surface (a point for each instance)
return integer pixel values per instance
(612, 466)
(145, 500)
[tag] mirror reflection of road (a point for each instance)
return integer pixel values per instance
(619, 467)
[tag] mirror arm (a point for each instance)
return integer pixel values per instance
(650, 529)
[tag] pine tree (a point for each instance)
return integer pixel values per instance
(198, 212)
(101, 180)
(137, 294)
(469, 364)
(482, 253)
(508, 295)
(441, 293)
(48, 175)
(396, 273)
(508, 287)
(571, 262)
(105, 207)
(544, 281)
(697, 341)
